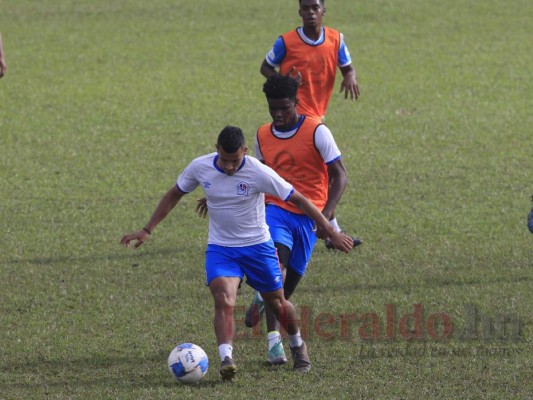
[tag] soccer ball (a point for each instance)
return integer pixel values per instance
(188, 363)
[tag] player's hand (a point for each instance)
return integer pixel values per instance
(342, 242)
(201, 207)
(296, 75)
(140, 237)
(350, 85)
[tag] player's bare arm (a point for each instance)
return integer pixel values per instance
(349, 83)
(338, 179)
(268, 70)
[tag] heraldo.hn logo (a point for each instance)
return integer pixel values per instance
(481, 326)
(471, 324)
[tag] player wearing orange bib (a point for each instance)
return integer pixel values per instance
(302, 150)
(297, 160)
(312, 53)
(317, 64)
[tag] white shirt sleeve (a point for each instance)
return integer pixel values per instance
(187, 181)
(326, 145)
(257, 150)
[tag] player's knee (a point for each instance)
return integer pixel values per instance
(224, 300)
(275, 303)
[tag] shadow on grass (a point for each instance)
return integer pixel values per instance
(395, 286)
(134, 259)
(101, 371)
(119, 255)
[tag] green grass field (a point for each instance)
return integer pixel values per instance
(104, 103)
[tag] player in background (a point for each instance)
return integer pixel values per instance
(239, 242)
(3, 64)
(301, 149)
(530, 219)
(311, 54)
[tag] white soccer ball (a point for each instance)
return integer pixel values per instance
(188, 363)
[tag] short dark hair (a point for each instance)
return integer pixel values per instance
(321, 2)
(280, 86)
(230, 139)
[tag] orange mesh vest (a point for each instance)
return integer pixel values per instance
(317, 64)
(298, 161)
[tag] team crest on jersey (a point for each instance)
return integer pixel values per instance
(206, 184)
(243, 188)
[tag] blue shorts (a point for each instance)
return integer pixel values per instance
(294, 231)
(259, 263)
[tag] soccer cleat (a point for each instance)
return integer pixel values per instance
(254, 312)
(300, 358)
(329, 244)
(228, 370)
(276, 355)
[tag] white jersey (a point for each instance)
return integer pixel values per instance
(236, 203)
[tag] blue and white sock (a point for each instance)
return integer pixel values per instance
(274, 337)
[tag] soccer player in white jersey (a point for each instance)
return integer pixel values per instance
(239, 242)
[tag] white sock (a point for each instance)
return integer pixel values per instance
(295, 340)
(334, 224)
(225, 350)
(273, 338)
